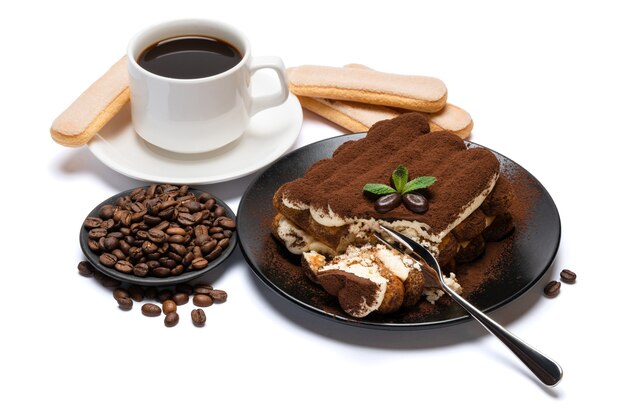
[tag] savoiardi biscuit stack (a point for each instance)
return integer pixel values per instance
(355, 97)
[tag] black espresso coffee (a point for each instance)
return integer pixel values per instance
(189, 57)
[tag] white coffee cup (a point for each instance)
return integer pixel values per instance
(199, 114)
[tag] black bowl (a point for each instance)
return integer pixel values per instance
(93, 258)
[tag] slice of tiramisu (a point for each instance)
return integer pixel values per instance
(428, 185)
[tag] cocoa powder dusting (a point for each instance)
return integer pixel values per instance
(337, 183)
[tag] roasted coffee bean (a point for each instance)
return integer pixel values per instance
(197, 252)
(176, 239)
(138, 194)
(135, 253)
(552, 289)
(218, 295)
(156, 235)
(137, 207)
(108, 259)
(149, 247)
(172, 255)
(199, 263)
(227, 223)
(124, 266)
(153, 206)
(169, 306)
(167, 262)
(198, 317)
(137, 217)
(85, 268)
(387, 202)
(179, 249)
(178, 270)
(187, 259)
(122, 201)
(125, 303)
(219, 211)
(119, 254)
(228, 233)
(203, 197)
(93, 245)
(124, 247)
(223, 243)
(151, 220)
(164, 294)
(108, 224)
(162, 271)
(150, 309)
(168, 213)
(568, 276)
(120, 293)
(175, 231)
(207, 247)
(92, 222)
(136, 292)
(141, 270)
(122, 216)
(187, 219)
(183, 190)
(415, 202)
(202, 289)
(106, 212)
(218, 236)
(202, 300)
(193, 206)
(201, 239)
(97, 233)
(115, 234)
(214, 254)
(171, 319)
(152, 264)
(111, 243)
(180, 298)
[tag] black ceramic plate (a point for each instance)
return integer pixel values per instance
(506, 271)
(151, 280)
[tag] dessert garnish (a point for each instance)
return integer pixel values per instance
(403, 191)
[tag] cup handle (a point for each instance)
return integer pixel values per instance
(269, 100)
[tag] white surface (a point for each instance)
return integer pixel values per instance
(544, 82)
(270, 135)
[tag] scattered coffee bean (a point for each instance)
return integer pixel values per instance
(150, 309)
(198, 317)
(120, 293)
(125, 303)
(85, 268)
(202, 300)
(169, 306)
(171, 319)
(180, 298)
(218, 295)
(552, 289)
(568, 276)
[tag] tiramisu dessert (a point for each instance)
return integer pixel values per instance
(427, 185)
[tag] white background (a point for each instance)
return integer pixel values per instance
(544, 83)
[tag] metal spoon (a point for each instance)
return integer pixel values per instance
(547, 370)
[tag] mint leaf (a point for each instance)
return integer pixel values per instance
(400, 176)
(377, 188)
(418, 183)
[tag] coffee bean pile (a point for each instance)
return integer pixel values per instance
(553, 287)
(159, 301)
(161, 231)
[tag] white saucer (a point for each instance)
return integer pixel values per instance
(270, 135)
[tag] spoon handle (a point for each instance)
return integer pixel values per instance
(547, 370)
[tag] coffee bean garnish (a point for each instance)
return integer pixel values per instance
(125, 303)
(552, 289)
(401, 191)
(568, 276)
(171, 319)
(160, 223)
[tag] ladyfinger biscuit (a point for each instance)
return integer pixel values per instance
(93, 108)
(359, 117)
(421, 93)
